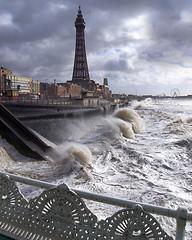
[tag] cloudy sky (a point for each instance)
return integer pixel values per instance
(141, 46)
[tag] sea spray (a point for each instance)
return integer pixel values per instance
(148, 101)
(5, 159)
(129, 115)
(122, 127)
(141, 104)
(74, 152)
(76, 158)
(137, 105)
(81, 153)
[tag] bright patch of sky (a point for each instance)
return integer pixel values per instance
(186, 16)
(137, 27)
(5, 19)
(57, 6)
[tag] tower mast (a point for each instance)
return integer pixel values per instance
(80, 69)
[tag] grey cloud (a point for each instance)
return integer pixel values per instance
(118, 65)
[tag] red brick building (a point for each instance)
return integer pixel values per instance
(61, 90)
(72, 90)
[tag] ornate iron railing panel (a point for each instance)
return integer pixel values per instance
(60, 213)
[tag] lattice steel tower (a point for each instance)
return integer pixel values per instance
(80, 69)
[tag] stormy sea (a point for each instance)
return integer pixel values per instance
(141, 153)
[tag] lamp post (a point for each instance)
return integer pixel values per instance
(55, 88)
(46, 89)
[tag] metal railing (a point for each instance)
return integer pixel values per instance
(42, 101)
(182, 215)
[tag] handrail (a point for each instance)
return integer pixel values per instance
(181, 214)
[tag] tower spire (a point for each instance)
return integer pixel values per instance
(80, 69)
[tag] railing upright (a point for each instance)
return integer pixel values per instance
(181, 223)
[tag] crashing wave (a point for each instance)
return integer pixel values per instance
(129, 115)
(137, 105)
(125, 128)
(74, 152)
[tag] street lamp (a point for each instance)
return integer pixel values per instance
(55, 88)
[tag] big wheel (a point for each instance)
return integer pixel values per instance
(175, 92)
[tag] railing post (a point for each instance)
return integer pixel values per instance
(181, 223)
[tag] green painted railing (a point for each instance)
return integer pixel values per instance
(99, 230)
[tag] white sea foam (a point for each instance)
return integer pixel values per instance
(178, 127)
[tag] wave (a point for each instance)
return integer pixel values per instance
(137, 105)
(164, 116)
(179, 126)
(122, 127)
(141, 104)
(70, 152)
(124, 122)
(129, 115)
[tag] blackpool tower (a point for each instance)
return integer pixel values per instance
(80, 69)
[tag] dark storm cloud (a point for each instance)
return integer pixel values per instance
(37, 38)
(120, 65)
(34, 37)
(33, 22)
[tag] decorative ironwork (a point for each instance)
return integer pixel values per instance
(59, 213)
(134, 223)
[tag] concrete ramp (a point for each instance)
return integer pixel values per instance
(23, 139)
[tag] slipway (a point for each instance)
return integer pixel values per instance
(23, 138)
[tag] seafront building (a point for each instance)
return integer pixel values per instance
(22, 84)
(13, 85)
(4, 83)
(60, 90)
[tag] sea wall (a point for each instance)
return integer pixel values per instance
(32, 111)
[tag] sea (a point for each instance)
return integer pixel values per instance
(140, 153)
